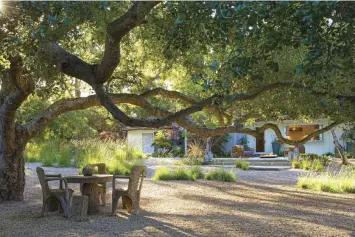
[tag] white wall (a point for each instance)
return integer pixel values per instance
(234, 140)
(318, 147)
(135, 139)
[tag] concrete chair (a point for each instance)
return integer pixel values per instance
(131, 196)
(60, 195)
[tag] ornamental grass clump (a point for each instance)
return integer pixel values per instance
(164, 173)
(340, 182)
(118, 157)
(197, 173)
(222, 175)
(242, 164)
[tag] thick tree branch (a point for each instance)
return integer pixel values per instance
(186, 99)
(115, 31)
(66, 62)
(45, 117)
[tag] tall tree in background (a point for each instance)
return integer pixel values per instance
(236, 51)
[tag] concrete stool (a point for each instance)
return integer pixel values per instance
(79, 208)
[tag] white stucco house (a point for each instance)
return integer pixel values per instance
(292, 130)
(142, 138)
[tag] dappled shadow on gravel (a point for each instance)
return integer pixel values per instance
(248, 207)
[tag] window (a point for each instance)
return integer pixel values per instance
(299, 132)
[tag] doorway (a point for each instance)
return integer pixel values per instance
(260, 142)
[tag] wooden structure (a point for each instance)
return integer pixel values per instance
(90, 187)
(101, 187)
(79, 208)
(60, 196)
(131, 196)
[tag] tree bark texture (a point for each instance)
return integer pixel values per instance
(340, 148)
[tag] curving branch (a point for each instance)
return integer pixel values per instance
(66, 62)
(186, 99)
(37, 124)
(116, 30)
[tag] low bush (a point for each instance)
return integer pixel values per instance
(164, 173)
(324, 159)
(197, 173)
(306, 164)
(296, 164)
(192, 160)
(242, 164)
(222, 175)
(343, 181)
(317, 166)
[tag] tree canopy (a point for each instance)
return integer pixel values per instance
(208, 66)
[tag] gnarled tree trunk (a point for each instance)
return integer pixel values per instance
(12, 137)
(340, 148)
(12, 170)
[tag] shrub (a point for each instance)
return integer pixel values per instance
(161, 154)
(116, 155)
(196, 173)
(324, 159)
(343, 181)
(317, 166)
(164, 173)
(162, 140)
(192, 160)
(242, 164)
(222, 175)
(196, 149)
(306, 164)
(296, 164)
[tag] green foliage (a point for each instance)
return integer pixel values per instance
(244, 141)
(192, 160)
(306, 164)
(242, 164)
(196, 173)
(176, 151)
(324, 159)
(164, 173)
(317, 165)
(343, 181)
(162, 140)
(296, 164)
(116, 155)
(221, 175)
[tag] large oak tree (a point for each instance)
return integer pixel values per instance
(235, 51)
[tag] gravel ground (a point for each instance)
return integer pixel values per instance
(259, 204)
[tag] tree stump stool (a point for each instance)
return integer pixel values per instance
(79, 208)
(53, 205)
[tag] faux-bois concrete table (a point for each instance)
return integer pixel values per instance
(90, 188)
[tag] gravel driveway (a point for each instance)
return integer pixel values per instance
(259, 204)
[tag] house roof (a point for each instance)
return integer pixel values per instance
(146, 128)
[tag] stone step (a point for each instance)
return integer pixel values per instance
(269, 168)
(253, 161)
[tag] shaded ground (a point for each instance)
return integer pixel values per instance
(259, 204)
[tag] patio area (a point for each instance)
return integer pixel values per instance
(259, 204)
